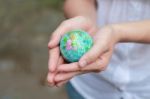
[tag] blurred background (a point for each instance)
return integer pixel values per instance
(25, 29)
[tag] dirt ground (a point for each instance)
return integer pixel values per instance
(25, 29)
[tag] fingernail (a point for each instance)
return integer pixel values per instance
(58, 85)
(51, 84)
(83, 63)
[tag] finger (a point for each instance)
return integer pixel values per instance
(60, 61)
(50, 79)
(57, 34)
(68, 67)
(100, 64)
(51, 75)
(53, 59)
(92, 31)
(61, 83)
(74, 67)
(96, 66)
(64, 76)
(92, 54)
(71, 24)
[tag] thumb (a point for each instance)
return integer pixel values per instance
(56, 36)
(59, 32)
(91, 55)
(78, 22)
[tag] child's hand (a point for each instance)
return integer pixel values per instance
(55, 59)
(95, 60)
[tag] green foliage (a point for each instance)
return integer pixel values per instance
(51, 3)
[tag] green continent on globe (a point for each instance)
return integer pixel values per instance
(74, 44)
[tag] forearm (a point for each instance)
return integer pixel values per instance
(133, 31)
(86, 8)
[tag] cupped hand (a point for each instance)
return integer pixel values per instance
(55, 59)
(95, 60)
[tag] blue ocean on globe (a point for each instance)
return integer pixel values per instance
(74, 44)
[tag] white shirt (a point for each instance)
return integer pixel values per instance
(128, 74)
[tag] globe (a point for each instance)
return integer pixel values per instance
(74, 44)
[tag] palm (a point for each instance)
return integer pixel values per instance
(55, 57)
(68, 71)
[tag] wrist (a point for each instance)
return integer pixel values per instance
(125, 32)
(113, 32)
(119, 35)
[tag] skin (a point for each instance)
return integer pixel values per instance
(83, 16)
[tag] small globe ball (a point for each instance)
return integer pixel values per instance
(74, 44)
